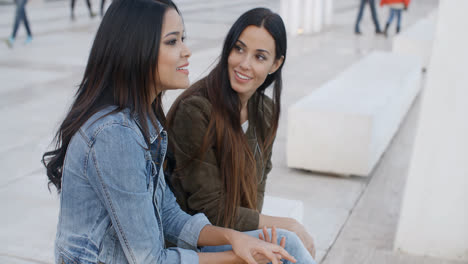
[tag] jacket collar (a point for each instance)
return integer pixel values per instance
(251, 130)
(153, 132)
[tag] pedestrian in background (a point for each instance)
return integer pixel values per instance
(90, 9)
(396, 6)
(20, 16)
(103, 2)
(374, 17)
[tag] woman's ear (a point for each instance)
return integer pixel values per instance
(276, 65)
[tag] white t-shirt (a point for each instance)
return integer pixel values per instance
(245, 126)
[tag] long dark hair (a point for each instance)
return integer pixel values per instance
(234, 157)
(121, 71)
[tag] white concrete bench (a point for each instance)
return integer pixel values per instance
(417, 39)
(344, 126)
(276, 206)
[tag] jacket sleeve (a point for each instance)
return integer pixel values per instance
(200, 179)
(185, 233)
(261, 189)
(123, 189)
(267, 116)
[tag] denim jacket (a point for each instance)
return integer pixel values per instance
(115, 206)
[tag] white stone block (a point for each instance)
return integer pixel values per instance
(344, 126)
(417, 40)
(276, 206)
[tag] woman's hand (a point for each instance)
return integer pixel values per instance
(291, 225)
(253, 250)
(273, 239)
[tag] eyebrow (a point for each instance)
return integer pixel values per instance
(177, 33)
(261, 50)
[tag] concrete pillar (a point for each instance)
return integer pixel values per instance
(292, 15)
(317, 16)
(284, 12)
(313, 16)
(327, 12)
(434, 215)
(308, 13)
(306, 16)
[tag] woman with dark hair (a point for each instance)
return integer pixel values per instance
(115, 205)
(222, 130)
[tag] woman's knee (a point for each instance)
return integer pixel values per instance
(291, 238)
(295, 247)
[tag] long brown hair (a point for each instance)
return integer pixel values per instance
(120, 72)
(235, 159)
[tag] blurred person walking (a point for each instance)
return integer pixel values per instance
(20, 16)
(88, 3)
(396, 6)
(374, 17)
(103, 2)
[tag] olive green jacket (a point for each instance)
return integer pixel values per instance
(198, 185)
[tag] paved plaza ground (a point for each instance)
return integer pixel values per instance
(353, 219)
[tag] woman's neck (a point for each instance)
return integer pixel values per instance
(244, 114)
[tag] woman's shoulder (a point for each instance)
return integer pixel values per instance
(266, 107)
(110, 123)
(195, 103)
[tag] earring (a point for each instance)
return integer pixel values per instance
(269, 73)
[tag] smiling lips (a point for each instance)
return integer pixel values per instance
(241, 77)
(183, 69)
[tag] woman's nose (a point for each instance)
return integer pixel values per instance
(186, 51)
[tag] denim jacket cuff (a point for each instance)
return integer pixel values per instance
(189, 256)
(188, 237)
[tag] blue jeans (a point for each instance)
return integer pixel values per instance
(394, 12)
(88, 3)
(294, 246)
(373, 12)
(20, 16)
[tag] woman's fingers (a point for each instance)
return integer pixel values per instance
(260, 236)
(250, 260)
(283, 242)
(284, 253)
(266, 235)
(274, 238)
(270, 255)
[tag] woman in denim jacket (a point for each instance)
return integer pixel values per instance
(115, 205)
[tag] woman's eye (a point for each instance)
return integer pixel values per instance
(238, 48)
(172, 42)
(261, 57)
